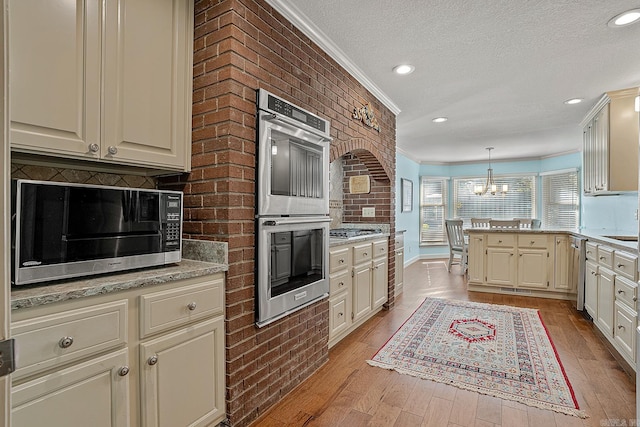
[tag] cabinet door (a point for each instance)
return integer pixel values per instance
(626, 322)
(380, 277)
(339, 313)
(606, 301)
(94, 393)
(399, 272)
(591, 289)
(182, 380)
(562, 264)
(147, 82)
(55, 76)
(501, 267)
(476, 258)
(533, 268)
(601, 149)
(281, 262)
(361, 291)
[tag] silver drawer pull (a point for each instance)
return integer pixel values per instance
(65, 342)
(635, 299)
(365, 254)
(620, 327)
(620, 265)
(588, 252)
(123, 371)
(620, 291)
(112, 150)
(499, 241)
(192, 306)
(341, 261)
(602, 257)
(152, 360)
(94, 148)
(341, 284)
(533, 241)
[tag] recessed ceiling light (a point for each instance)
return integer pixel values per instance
(439, 120)
(625, 18)
(404, 69)
(573, 101)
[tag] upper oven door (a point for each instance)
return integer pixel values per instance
(293, 168)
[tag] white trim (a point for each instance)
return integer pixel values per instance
(604, 100)
(559, 171)
(513, 159)
(407, 155)
(304, 24)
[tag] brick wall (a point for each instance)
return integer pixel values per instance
(239, 46)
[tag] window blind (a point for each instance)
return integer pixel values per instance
(433, 204)
(518, 202)
(560, 200)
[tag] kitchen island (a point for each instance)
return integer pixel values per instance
(541, 263)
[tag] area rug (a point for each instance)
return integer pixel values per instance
(495, 350)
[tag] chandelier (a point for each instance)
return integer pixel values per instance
(490, 186)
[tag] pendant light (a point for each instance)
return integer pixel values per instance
(490, 186)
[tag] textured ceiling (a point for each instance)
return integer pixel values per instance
(499, 70)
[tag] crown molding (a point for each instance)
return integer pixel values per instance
(304, 24)
(407, 154)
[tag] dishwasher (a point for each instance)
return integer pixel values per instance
(577, 268)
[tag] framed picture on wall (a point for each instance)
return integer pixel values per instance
(406, 194)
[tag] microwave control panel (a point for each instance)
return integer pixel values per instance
(172, 221)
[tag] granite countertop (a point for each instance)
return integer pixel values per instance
(335, 241)
(199, 258)
(598, 236)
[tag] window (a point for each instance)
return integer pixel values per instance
(518, 202)
(433, 210)
(560, 199)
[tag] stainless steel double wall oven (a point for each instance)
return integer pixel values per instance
(292, 222)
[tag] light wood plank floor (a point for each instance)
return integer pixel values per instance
(348, 392)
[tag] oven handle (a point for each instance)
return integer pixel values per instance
(289, 221)
(284, 119)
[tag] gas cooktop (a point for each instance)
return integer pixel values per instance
(347, 233)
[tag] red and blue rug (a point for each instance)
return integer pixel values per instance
(496, 350)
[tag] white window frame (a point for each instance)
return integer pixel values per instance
(428, 235)
(502, 209)
(556, 215)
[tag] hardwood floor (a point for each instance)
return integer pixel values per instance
(348, 392)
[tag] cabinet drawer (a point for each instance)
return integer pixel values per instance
(592, 251)
(339, 259)
(380, 248)
(339, 282)
(625, 264)
(163, 310)
(362, 253)
(532, 241)
(605, 256)
(626, 322)
(501, 240)
(53, 340)
(626, 291)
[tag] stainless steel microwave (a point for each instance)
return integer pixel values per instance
(62, 230)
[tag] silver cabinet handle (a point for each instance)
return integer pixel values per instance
(635, 299)
(123, 371)
(620, 265)
(94, 148)
(341, 261)
(341, 284)
(192, 306)
(152, 360)
(620, 327)
(533, 241)
(112, 150)
(365, 254)
(65, 342)
(499, 241)
(602, 257)
(620, 291)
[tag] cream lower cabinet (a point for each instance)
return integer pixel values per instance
(533, 263)
(476, 258)
(120, 89)
(605, 310)
(358, 285)
(93, 393)
(591, 289)
(611, 294)
(141, 357)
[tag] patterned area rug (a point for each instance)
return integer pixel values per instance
(491, 349)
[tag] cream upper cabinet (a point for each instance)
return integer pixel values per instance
(610, 144)
(104, 81)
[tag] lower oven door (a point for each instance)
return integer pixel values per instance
(292, 265)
